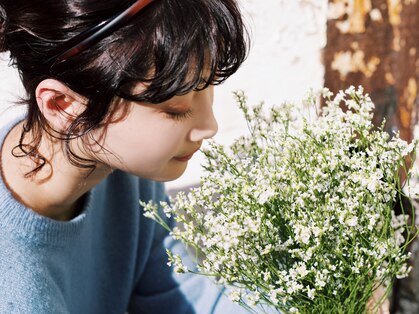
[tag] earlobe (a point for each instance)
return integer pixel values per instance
(58, 104)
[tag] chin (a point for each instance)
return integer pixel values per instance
(166, 176)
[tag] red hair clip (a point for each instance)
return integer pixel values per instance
(87, 38)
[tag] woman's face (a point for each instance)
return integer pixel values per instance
(155, 141)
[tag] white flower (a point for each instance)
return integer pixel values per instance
(253, 299)
(351, 221)
(404, 271)
(302, 270)
(409, 148)
(293, 287)
(273, 295)
(167, 209)
(180, 269)
(267, 249)
(234, 295)
(176, 261)
(265, 196)
(414, 191)
(302, 233)
(311, 293)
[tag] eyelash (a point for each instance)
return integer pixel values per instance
(178, 116)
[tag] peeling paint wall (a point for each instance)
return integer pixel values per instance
(356, 12)
(374, 43)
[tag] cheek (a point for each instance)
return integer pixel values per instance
(142, 147)
(150, 148)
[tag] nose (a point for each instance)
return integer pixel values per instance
(206, 125)
(207, 129)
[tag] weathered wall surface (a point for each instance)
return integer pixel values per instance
(375, 43)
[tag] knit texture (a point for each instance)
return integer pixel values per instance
(109, 259)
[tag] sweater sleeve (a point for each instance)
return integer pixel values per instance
(157, 290)
(160, 290)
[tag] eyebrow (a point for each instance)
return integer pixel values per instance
(176, 106)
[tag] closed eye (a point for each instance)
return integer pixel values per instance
(178, 116)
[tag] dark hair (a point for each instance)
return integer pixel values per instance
(174, 46)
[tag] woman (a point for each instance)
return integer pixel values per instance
(119, 96)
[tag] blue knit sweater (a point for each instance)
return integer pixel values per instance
(109, 259)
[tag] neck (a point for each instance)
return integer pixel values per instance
(57, 190)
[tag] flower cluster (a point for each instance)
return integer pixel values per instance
(298, 215)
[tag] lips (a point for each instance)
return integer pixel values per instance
(186, 157)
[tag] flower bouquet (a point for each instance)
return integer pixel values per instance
(298, 215)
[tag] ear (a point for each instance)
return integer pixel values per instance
(58, 103)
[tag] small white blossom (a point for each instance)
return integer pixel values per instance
(234, 295)
(311, 293)
(302, 233)
(404, 271)
(253, 299)
(352, 221)
(273, 295)
(265, 196)
(414, 191)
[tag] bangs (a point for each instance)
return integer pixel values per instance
(193, 44)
